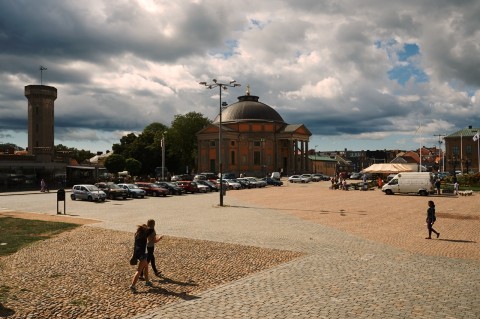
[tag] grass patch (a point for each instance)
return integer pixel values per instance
(16, 233)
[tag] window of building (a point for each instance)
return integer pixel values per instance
(232, 157)
(256, 143)
(232, 143)
(468, 149)
(212, 143)
(244, 159)
(455, 150)
(256, 158)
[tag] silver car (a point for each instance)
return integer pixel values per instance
(88, 192)
(133, 190)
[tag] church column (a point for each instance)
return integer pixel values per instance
(307, 161)
(302, 156)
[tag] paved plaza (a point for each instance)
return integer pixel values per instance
(365, 255)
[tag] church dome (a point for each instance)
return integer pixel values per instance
(249, 109)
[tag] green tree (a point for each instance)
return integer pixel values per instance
(115, 163)
(182, 140)
(133, 166)
(79, 155)
(145, 148)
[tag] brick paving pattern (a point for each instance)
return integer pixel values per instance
(365, 253)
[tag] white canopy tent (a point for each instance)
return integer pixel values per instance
(387, 168)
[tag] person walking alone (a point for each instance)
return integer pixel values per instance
(431, 218)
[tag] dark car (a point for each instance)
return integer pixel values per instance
(173, 188)
(273, 181)
(113, 190)
(152, 189)
(188, 186)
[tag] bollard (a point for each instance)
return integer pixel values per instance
(61, 197)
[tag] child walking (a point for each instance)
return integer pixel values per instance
(431, 218)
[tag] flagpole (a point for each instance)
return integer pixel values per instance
(461, 152)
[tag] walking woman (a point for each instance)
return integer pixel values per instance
(141, 254)
(431, 220)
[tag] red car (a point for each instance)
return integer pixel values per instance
(188, 186)
(152, 190)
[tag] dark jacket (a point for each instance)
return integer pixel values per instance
(431, 215)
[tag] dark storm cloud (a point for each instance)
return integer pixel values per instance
(120, 65)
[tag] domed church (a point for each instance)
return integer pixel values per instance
(255, 141)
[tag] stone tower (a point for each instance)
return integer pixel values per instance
(41, 121)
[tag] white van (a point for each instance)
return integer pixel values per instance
(421, 183)
(275, 175)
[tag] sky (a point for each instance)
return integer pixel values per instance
(360, 75)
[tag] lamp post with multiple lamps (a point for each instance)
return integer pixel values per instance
(221, 86)
(163, 155)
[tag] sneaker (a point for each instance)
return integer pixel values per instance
(148, 283)
(438, 235)
(132, 288)
(158, 274)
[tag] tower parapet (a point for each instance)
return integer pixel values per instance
(41, 119)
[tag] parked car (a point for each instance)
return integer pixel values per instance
(152, 189)
(298, 179)
(133, 190)
(228, 176)
(317, 177)
(173, 188)
(272, 181)
(202, 188)
(356, 176)
(307, 176)
(188, 186)
(113, 190)
(213, 187)
(88, 192)
(181, 177)
(210, 176)
(323, 177)
(245, 182)
(232, 184)
(255, 182)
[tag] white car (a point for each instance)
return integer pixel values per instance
(298, 179)
(307, 176)
(232, 184)
(203, 188)
(88, 192)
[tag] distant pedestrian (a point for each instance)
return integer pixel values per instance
(380, 182)
(431, 218)
(43, 186)
(455, 187)
(140, 252)
(438, 185)
(151, 240)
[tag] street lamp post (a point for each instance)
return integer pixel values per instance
(220, 86)
(163, 156)
(315, 160)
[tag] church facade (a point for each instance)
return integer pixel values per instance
(255, 141)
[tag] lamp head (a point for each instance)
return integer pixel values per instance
(203, 83)
(214, 80)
